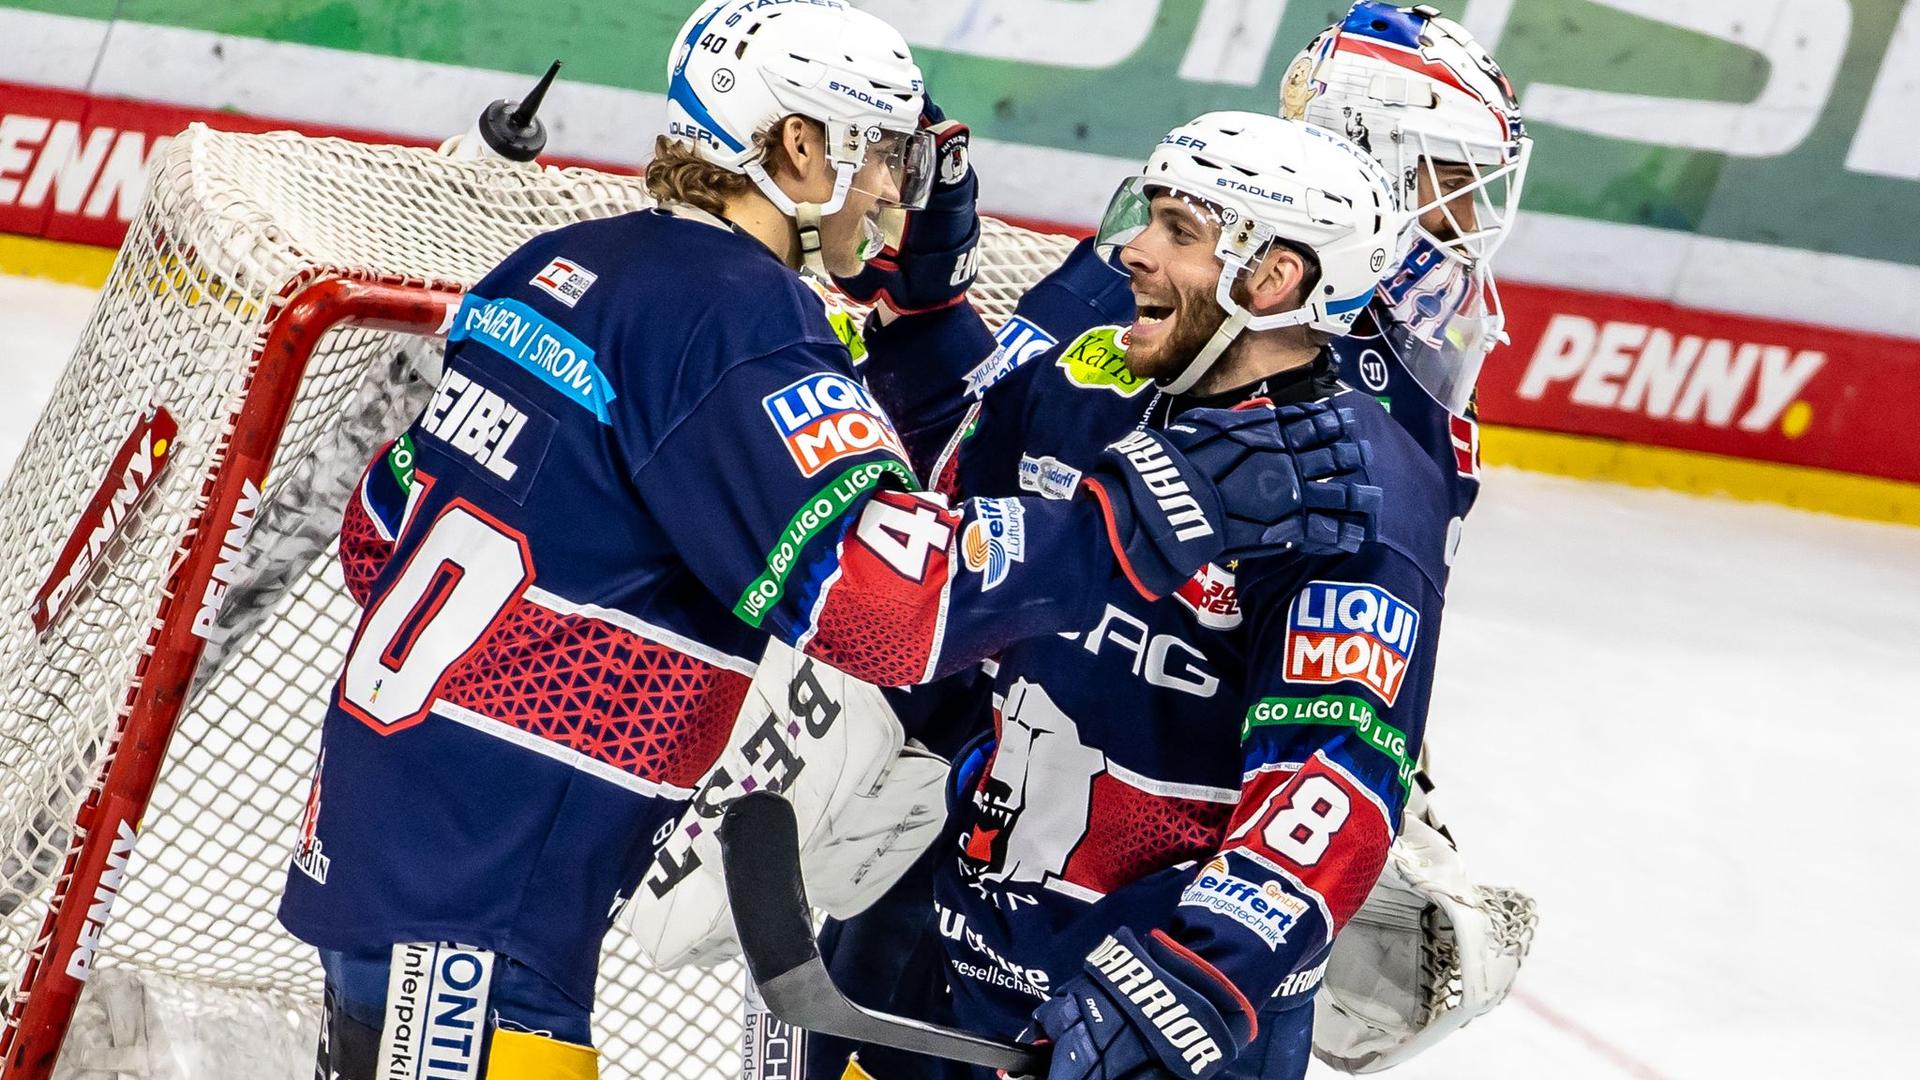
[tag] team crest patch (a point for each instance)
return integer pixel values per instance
(994, 540)
(1097, 360)
(565, 281)
(1343, 631)
(825, 417)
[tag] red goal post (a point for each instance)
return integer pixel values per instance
(259, 299)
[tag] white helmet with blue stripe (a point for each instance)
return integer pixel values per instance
(740, 66)
(1267, 179)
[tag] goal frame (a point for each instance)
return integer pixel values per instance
(49, 991)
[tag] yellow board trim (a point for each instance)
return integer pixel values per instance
(55, 260)
(1583, 456)
(523, 1055)
(1691, 471)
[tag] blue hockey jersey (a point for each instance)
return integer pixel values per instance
(648, 453)
(1228, 764)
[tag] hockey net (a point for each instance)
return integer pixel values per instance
(267, 276)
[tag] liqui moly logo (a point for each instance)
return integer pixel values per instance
(132, 473)
(1342, 631)
(825, 417)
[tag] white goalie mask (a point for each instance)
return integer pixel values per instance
(1266, 180)
(740, 66)
(1428, 103)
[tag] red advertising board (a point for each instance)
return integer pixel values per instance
(1652, 372)
(72, 164)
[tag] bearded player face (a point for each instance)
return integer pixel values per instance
(1174, 274)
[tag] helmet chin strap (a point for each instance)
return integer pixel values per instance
(1209, 354)
(806, 216)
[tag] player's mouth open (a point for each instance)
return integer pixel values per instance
(1149, 317)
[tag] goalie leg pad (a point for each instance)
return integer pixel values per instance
(432, 1009)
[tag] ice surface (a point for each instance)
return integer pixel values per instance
(1687, 726)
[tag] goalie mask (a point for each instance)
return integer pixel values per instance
(740, 66)
(1430, 105)
(1264, 180)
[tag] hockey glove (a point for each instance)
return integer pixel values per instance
(1303, 457)
(1242, 482)
(932, 264)
(1140, 1011)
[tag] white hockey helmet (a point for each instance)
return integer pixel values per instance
(1415, 90)
(1266, 179)
(739, 66)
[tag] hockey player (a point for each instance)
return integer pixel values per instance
(648, 454)
(1417, 92)
(1182, 802)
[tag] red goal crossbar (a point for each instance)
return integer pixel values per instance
(56, 969)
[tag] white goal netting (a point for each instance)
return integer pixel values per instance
(232, 227)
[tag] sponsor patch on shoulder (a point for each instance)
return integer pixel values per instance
(1213, 598)
(1097, 360)
(565, 280)
(1015, 343)
(825, 416)
(538, 344)
(1263, 907)
(1345, 631)
(994, 540)
(1048, 476)
(435, 1025)
(1335, 710)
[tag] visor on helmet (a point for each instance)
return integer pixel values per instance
(1130, 211)
(898, 169)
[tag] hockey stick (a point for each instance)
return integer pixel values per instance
(760, 854)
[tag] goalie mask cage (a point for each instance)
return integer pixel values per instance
(264, 298)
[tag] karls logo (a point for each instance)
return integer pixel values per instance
(1213, 598)
(1162, 480)
(130, 475)
(994, 540)
(825, 417)
(245, 512)
(436, 1006)
(1261, 906)
(1634, 368)
(1341, 631)
(565, 281)
(1133, 979)
(112, 877)
(1015, 343)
